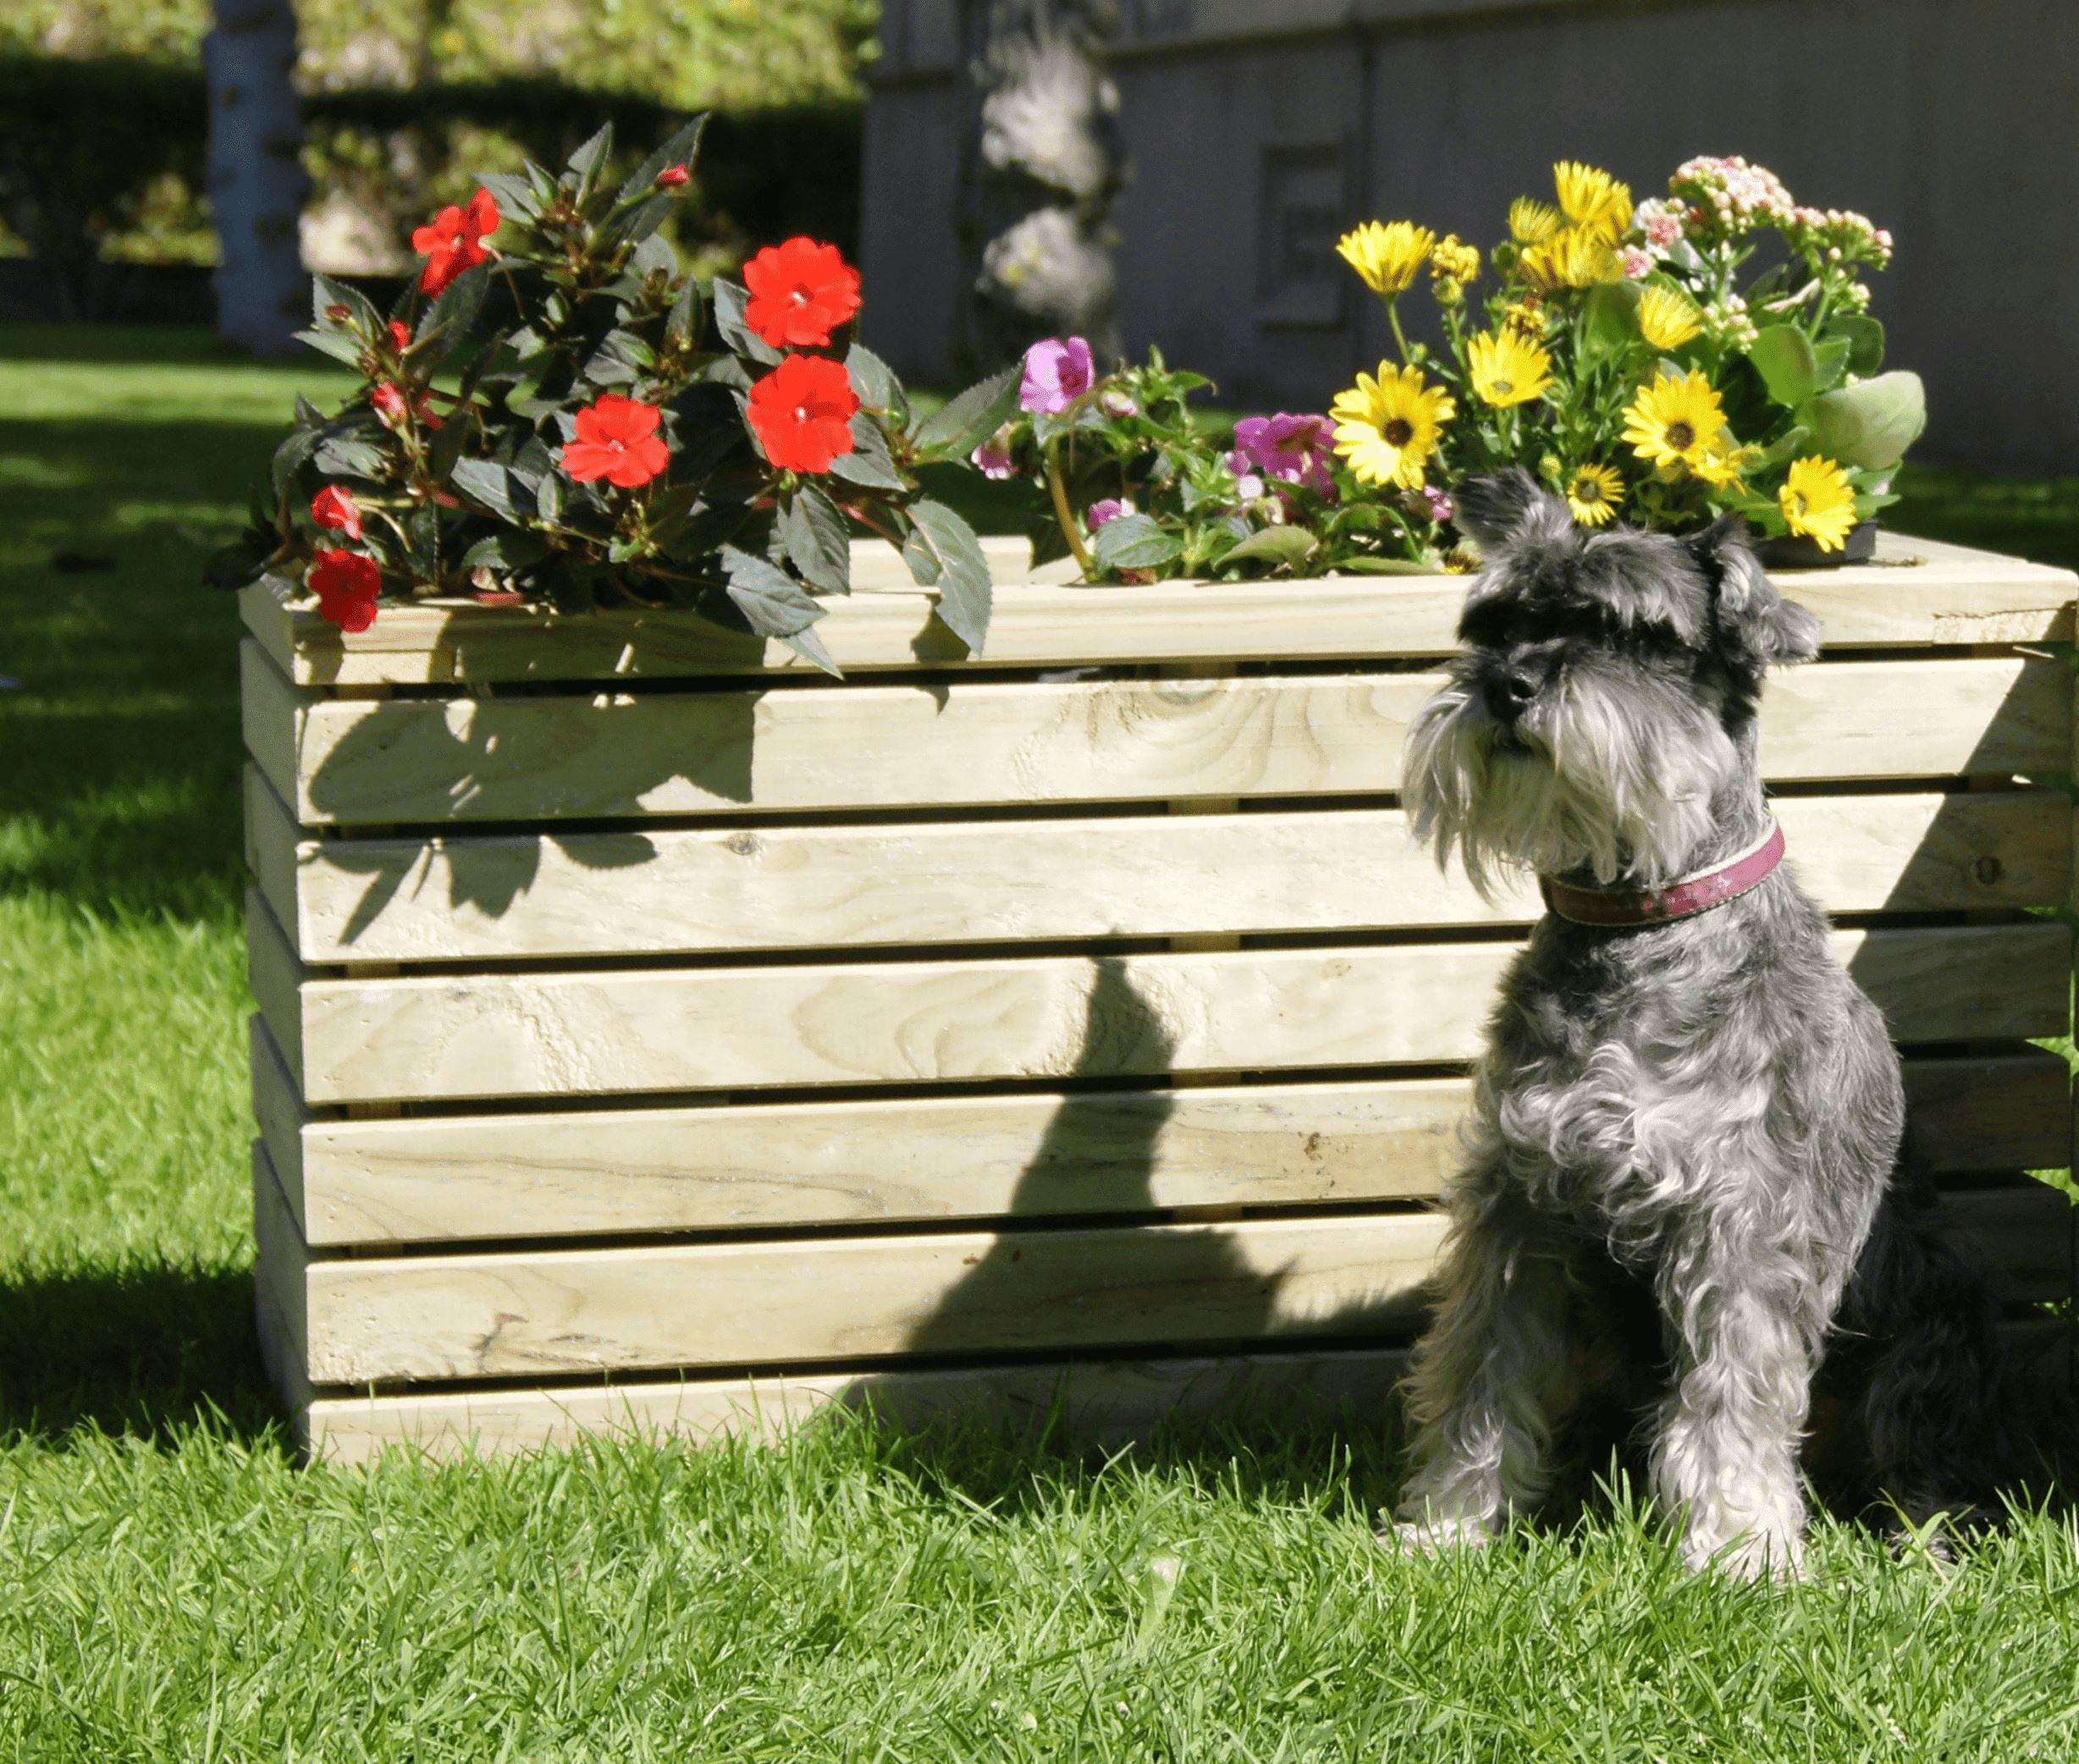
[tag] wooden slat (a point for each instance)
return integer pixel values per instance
(980, 742)
(279, 1285)
(1949, 595)
(1101, 1404)
(676, 891)
(527, 1314)
(275, 978)
(946, 1159)
(460, 1036)
(2020, 1238)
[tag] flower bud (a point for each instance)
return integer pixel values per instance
(672, 177)
(1114, 403)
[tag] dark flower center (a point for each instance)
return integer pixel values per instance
(1398, 433)
(1681, 437)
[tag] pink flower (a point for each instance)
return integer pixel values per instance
(1286, 449)
(1116, 404)
(1638, 264)
(1248, 487)
(1109, 509)
(993, 458)
(1057, 374)
(1441, 507)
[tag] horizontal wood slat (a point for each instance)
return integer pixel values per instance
(1948, 595)
(675, 891)
(466, 1036)
(932, 1160)
(1102, 1404)
(980, 742)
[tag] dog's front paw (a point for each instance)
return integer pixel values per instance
(1433, 1533)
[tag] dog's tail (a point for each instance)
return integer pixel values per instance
(1942, 1416)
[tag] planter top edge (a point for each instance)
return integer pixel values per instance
(1916, 592)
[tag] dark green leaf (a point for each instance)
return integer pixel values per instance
(729, 300)
(1866, 342)
(1134, 541)
(1284, 547)
(447, 320)
(681, 148)
(1830, 356)
(346, 456)
(361, 317)
(340, 345)
(956, 568)
(635, 224)
(512, 549)
(515, 195)
(583, 166)
(683, 326)
(775, 604)
(870, 461)
(812, 529)
(485, 483)
(1609, 317)
(290, 456)
(875, 382)
(963, 422)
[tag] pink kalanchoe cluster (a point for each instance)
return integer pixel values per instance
(1838, 235)
(1284, 450)
(1638, 264)
(1058, 371)
(1728, 197)
(1657, 221)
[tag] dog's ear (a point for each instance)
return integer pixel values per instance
(1755, 625)
(1491, 509)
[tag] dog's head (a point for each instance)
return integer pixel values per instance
(1605, 695)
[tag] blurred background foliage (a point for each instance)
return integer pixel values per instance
(102, 118)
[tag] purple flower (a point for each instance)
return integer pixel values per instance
(1248, 487)
(1116, 404)
(1057, 374)
(1285, 448)
(992, 458)
(1110, 509)
(1441, 507)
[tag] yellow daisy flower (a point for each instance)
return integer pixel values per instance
(1388, 428)
(1592, 200)
(1386, 258)
(1531, 222)
(1525, 319)
(1666, 318)
(1818, 502)
(1593, 493)
(1572, 258)
(1675, 421)
(1723, 466)
(1453, 260)
(1506, 370)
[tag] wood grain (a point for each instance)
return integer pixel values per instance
(1103, 1403)
(979, 743)
(432, 1179)
(678, 892)
(458, 1037)
(1946, 595)
(528, 1313)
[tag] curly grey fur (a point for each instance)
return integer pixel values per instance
(1710, 1109)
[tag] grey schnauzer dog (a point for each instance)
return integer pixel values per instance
(1682, 1181)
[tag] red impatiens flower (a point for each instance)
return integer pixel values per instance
(802, 413)
(399, 336)
(672, 177)
(346, 585)
(336, 511)
(386, 401)
(800, 292)
(453, 241)
(617, 440)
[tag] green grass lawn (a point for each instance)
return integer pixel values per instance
(173, 1587)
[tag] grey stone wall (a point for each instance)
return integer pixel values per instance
(1259, 128)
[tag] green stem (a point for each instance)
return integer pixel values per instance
(1400, 337)
(1067, 521)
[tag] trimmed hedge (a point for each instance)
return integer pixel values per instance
(94, 148)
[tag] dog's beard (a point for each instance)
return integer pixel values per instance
(1620, 785)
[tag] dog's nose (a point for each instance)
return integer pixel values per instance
(1508, 689)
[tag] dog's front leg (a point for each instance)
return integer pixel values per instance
(1486, 1371)
(1747, 1325)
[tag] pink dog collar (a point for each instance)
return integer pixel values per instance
(1618, 907)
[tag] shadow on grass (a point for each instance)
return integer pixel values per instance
(148, 1351)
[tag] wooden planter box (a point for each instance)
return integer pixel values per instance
(654, 1033)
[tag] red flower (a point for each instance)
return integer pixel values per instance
(800, 292)
(801, 412)
(336, 510)
(672, 177)
(346, 585)
(399, 336)
(617, 440)
(387, 401)
(453, 241)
